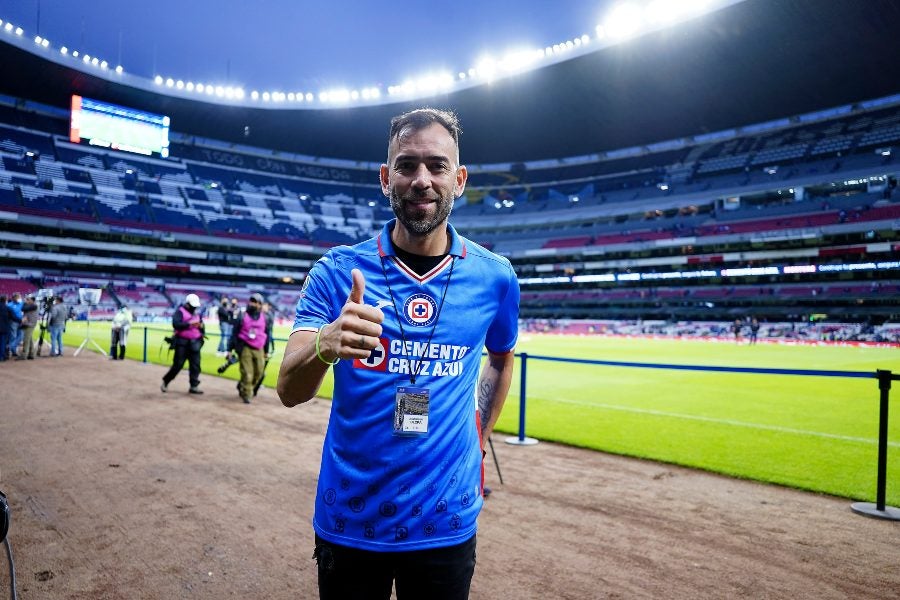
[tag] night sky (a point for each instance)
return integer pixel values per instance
(296, 44)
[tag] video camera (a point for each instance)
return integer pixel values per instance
(229, 360)
(44, 299)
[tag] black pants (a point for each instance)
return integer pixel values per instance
(434, 574)
(186, 350)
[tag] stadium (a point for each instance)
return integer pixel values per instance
(703, 217)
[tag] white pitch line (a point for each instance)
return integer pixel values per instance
(660, 413)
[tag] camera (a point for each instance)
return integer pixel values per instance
(44, 300)
(229, 360)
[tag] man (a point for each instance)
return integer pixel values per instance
(248, 341)
(30, 318)
(270, 342)
(56, 324)
(187, 342)
(754, 330)
(224, 315)
(15, 305)
(121, 325)
(407, 315)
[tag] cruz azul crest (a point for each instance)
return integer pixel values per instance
(420, 310)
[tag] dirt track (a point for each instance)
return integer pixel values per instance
(120, 491)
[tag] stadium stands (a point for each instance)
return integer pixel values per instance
(797, 218)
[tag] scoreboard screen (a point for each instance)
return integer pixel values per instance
(118, 127)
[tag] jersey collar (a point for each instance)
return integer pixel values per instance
(385, 248)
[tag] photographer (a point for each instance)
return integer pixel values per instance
(187, 342)
(121, 325)
(30, 317)
(248, 341)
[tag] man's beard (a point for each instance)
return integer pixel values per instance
(416, 220)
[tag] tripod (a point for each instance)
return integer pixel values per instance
(87, 337)
(43, 328)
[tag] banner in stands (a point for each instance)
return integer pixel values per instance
(271, 165)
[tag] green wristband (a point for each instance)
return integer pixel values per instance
(319, 354)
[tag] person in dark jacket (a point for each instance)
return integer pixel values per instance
(224, 315)
(6, 318)
(187, 340)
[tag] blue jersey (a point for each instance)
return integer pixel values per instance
(379, 490)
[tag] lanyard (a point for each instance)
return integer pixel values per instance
(418, 362)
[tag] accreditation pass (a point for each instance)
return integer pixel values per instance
(411, 411)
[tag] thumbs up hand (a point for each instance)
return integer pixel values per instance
(356, 331)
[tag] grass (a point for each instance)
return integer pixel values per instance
(809, 432)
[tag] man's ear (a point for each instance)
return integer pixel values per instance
(462, 175)
(385, 177)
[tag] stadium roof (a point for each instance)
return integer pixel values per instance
(752, 62)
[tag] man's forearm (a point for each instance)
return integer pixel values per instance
(301, 370)
(493, 386)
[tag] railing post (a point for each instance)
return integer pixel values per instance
(879, 510)
(145, 344)
(521, 440)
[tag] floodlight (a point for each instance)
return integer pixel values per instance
(189, 86)
(86, 58)
(623, 21)
(663, 11)
(38, 39)
(104, 65)
(170, 82)
(19, 31)
(254, 95)
(63, 50)
(75, 54)
(309, 97)
(158, 80)
(209, 89)
(354, 95)
(220, 91)
(200, 88)
(179, 84)
(95, 61)
(486, 68)
(9, 27)
(119, 69)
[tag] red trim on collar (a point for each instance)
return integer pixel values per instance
(427, 276)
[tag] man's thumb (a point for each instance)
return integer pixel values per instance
(359, 287)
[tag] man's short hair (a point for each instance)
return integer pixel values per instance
(421, 118)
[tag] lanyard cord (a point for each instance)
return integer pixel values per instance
(418, 362)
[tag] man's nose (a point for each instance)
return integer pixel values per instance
(422, 177)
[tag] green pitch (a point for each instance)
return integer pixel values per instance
(813, 433)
